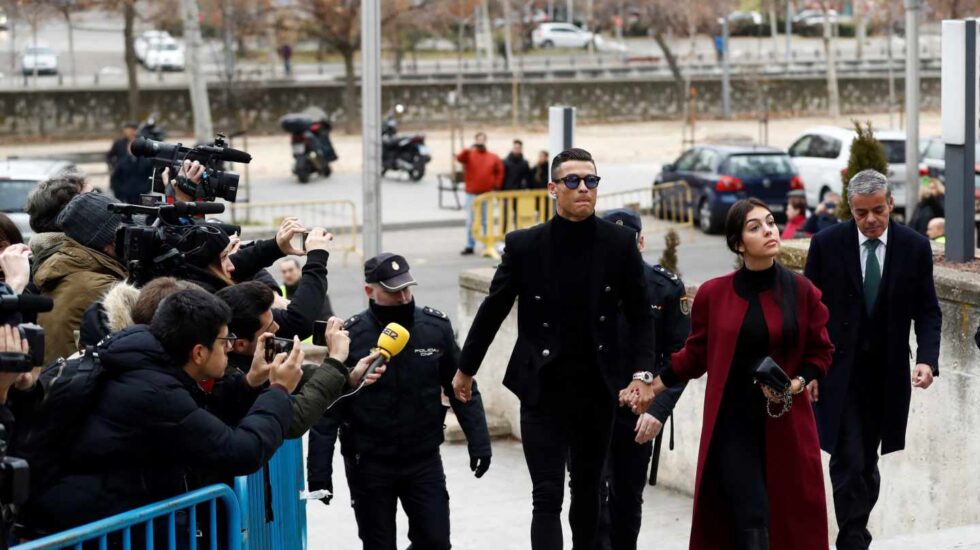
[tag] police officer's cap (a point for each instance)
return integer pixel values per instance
(388, 270)
(626, 217)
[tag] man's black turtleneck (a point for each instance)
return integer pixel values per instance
(572, 252)
(403, 314)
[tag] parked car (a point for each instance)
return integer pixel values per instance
(821, 155)
(933, 153)
(166, 55)
(560, 35)
(142, 43)
(18, 177)
(745, 23)
(41, 58)
(719, 175)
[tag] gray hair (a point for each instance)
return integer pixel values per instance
(868, 182)
(46, 201)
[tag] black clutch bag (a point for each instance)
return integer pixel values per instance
(771, 375)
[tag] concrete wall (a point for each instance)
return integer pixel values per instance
(80, 112)
(932, 485)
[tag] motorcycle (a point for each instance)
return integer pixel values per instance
(312, 150)
(407, 153)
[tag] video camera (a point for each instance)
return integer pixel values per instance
(151, 251)
(215, 182)
(11, 308)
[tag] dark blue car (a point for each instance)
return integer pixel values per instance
(719, 175)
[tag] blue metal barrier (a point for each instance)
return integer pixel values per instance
(100, 531)
(286, 528)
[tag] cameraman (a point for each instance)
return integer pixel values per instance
(215, 262)
(80, 272)
(824, 215)
(148, 432)
(252, 317)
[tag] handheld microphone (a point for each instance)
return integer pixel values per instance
(391, 342)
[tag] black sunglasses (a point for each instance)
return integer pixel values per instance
(572, 181)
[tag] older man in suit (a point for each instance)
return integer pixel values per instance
(575, 275)
(876, 280)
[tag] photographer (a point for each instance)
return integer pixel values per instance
(215, 262)
(44, 203)
(253, 319)
(824, 215)
(148, 432)
(80, 272)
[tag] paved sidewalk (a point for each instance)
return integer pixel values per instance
(494, 513)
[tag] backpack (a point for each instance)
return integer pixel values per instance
(71, 389)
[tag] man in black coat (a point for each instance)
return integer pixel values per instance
(148, 433)
(129, 175)
(390, 433)
(876, 279)
(517, 172)
(574, 275)
(632, 440)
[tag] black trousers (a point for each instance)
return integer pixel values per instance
(854, 469)
(625, 477)
(736, 463)
(557, 433)
(376, 486)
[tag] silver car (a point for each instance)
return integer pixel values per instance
(18, 177)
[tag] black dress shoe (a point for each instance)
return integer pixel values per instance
(466, 251)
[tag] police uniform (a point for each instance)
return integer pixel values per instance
(390, 432)
(626, 466)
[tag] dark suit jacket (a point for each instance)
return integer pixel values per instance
(908, 293)
(526, 272)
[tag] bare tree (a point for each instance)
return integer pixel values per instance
(66, 8)
(337, 24)
(830, 51)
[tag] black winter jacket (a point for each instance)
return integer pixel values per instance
(148, 437)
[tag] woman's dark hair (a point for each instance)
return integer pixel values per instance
(9, 232)
(188, 318)
(785, 291)
(248, 301)
(569, 155)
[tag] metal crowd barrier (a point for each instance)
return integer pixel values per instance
(264, 512)
(500, 212)
(336, 216)
(671, 202)
(119, 528)
(276, 520)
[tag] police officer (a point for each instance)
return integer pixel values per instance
(631, 446)
(390, 432)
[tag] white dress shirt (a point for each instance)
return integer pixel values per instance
(879, 252)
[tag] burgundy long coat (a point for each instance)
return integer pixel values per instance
(794, 477)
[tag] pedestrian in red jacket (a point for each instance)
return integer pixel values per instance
(482, 172)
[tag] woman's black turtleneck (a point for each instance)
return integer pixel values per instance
(572, 247)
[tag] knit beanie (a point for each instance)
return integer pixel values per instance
(86, 219)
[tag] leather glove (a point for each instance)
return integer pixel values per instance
(320, 485)
(479, 465)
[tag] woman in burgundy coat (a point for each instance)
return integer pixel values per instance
(759, 476)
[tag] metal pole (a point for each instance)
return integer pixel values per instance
(196, 79)
(960, 184)
(789, 31)
(911, 100)
(726, 86)
(371, 124)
